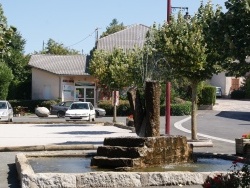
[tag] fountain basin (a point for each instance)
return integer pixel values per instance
(28, 178)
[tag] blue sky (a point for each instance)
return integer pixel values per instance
(73, 22)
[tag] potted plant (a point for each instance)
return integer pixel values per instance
(241, 142)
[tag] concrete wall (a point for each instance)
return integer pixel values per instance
(49, 86)
(221, 80)
(45, 85)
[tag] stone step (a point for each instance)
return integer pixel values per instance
(118, 151)
(125, 141)
(105, 162)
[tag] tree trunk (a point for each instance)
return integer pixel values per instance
(114, 114)
(193, 112)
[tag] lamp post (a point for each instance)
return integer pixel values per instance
(168, 84)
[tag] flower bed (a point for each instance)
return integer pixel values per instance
(240, 144)
(238, 176)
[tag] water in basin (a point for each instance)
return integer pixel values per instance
(81, 165)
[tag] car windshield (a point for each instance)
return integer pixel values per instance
(3, 105)
(79, 106)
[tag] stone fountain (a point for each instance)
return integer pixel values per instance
(149, 148)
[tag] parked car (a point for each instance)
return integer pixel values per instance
(80, 111)
(60, 109)
(6, 111)
(100, 111)
(218, 92)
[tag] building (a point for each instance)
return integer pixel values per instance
(62, 77)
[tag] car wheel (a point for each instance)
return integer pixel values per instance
(97, 113)
(60, 114)
(89, 118)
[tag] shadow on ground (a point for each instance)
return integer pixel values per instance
(245, 116)
(13, 177)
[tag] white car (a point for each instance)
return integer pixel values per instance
(80, 111)
(6, 111)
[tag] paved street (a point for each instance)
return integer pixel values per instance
(228, 120)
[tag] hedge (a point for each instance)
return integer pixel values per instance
(123, 109)
(32, 104)
(207, 96)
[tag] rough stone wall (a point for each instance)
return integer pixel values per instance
(152, 99)
(151, 151)
(146, 112)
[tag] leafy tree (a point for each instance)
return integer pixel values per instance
(233, 37)
(56, 48)
(113, 27)
(20, 87)
(5, 78)
(183, 44)
(113, 69)
(6, 34)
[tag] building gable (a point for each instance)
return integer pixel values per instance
(60, 64)
(129, 38)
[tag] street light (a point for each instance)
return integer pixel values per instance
(168, 84)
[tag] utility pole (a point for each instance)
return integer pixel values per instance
(168, 84)
(96, 36)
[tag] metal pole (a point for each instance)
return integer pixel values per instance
(168, 84)
(169, 9)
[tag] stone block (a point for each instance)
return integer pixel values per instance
(42, 112)
(117, 151)
(151, 151)
(125, 141)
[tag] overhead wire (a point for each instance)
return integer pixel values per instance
(82, 39)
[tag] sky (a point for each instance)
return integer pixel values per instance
(73, 22)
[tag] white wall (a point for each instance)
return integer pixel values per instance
(220, 80)
(45, 85)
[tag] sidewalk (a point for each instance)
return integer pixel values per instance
(15, 135)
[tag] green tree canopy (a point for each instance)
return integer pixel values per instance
(20, 87)
(113, 27)
(53, 47)
(113, 69)
(184, 46)
(234, 36)
(5, 78)
(6, 34)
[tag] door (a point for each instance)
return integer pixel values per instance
(85, 94)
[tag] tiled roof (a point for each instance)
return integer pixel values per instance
(131, 37)
(60, 64)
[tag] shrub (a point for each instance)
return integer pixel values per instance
(123, 109)
(207, 96)
(48, 104)
(30, 104)
(180, 109)
(5, 79)
(238, 94)
(236, 177)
